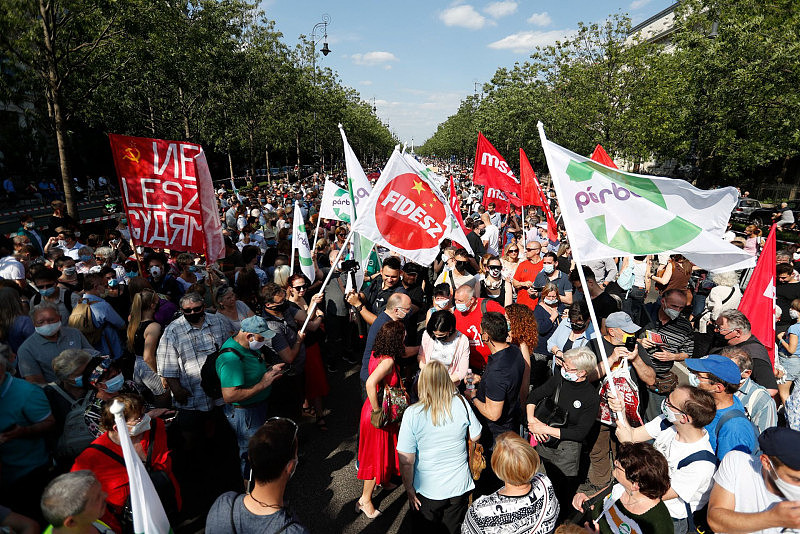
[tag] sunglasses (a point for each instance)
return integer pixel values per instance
(513, 251)
(300, 288)
(192, 310)
(533, 249)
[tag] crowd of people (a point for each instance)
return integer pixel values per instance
(691, 428)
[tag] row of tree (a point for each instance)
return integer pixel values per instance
(719, 102)
(215, 72)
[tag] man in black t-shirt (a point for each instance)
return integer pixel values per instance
(474, 240)
(370, 303)
(497, 394)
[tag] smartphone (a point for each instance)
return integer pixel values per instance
(630, 342)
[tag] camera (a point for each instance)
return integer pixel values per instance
(350, 266)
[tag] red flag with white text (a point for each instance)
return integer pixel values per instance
(492, 171)
(758, 300)
(168, 195)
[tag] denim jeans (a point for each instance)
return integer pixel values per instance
(245, 421)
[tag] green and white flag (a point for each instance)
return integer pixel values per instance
(336, 203)
(300, 242)
(360, 189)
(610, 213)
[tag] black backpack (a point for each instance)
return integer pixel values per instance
(209, 379)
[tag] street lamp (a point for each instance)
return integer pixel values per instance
(325, 51)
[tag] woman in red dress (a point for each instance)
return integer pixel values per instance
(377, 447)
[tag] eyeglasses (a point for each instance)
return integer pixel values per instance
(513, 251)
(672, 406)
(300, 288)
(532, 249)
(192, 310)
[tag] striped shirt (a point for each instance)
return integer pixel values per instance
(183, 350)
(679, 337)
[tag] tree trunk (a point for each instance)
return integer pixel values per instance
(54, 85)
(152, 117)
(297, 144)
(269, 171)
(185, 114)
(251, 146)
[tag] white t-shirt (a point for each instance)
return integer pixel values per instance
(491, 236)
(740, 474)
(692, 482)
(11, 269)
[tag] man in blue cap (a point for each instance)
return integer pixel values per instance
(730, 429)
(759, 493)
(246, 380)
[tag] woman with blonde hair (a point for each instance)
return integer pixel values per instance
(511, 259)
(144, 333)
(281, 275)
(526, 504)
(433, 453)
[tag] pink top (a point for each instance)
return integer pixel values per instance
(751, 245)
(453, 354)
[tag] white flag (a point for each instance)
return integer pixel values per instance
(336, 203)
(611, 213)
(300, 242)
(406, 213)
(440, 181)
(360, 189)
(148, 512)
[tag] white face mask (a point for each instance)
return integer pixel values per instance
(669, 414)
(548, 268)
(140, 427)
(672, 314)
(441, 303)
(255, 345)
(790, 491)
(156, 271)
(550, 302)
(794, 314)
(48, 329)
(694, 380)
(569, 375)
(463, 308)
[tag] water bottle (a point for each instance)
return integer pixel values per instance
(468, 379)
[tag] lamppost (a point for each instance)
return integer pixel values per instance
(325, 51)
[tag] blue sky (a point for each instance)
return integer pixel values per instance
(420, 59)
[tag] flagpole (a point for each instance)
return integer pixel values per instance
(316, 230)
(582, 277)
(313, 305)
(294, 239)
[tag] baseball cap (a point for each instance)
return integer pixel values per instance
(410, 267)
(714, 364)
(781, 442)
(622, 321)
(257, 325)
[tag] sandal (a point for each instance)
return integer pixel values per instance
(321, 424)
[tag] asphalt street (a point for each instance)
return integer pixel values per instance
(324, 489)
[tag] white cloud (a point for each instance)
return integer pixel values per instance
(527, 41)
(500, 9)
(365, 82)
(370, 59)
(418, 115)
(464, 16)
(540, 19)
(637, 4)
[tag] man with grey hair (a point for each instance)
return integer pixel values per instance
(74, 503)
(183, 349)
(757, 402)
(786, 216)
(50, 339)
(733, 327)
(25, 418)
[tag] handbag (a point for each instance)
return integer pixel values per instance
(665, 384)
(475, 458)
(549, 412)
(393, 401)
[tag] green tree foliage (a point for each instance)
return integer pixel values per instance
(719, 102)
(215, 72)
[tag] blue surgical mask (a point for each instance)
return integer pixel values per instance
(463, 308)
(132, 274)
(47, 292)
(114, 385)
(78, 381)
(193, 268)
(694, 380)
(548, 268)
(85, 257)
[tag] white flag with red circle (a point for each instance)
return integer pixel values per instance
(405, 214)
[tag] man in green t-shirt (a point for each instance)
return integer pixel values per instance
(246, 381)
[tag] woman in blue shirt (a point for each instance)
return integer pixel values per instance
(433, 452)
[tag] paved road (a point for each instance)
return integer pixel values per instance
(324, 488)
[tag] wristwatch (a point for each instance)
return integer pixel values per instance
(359, 307)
